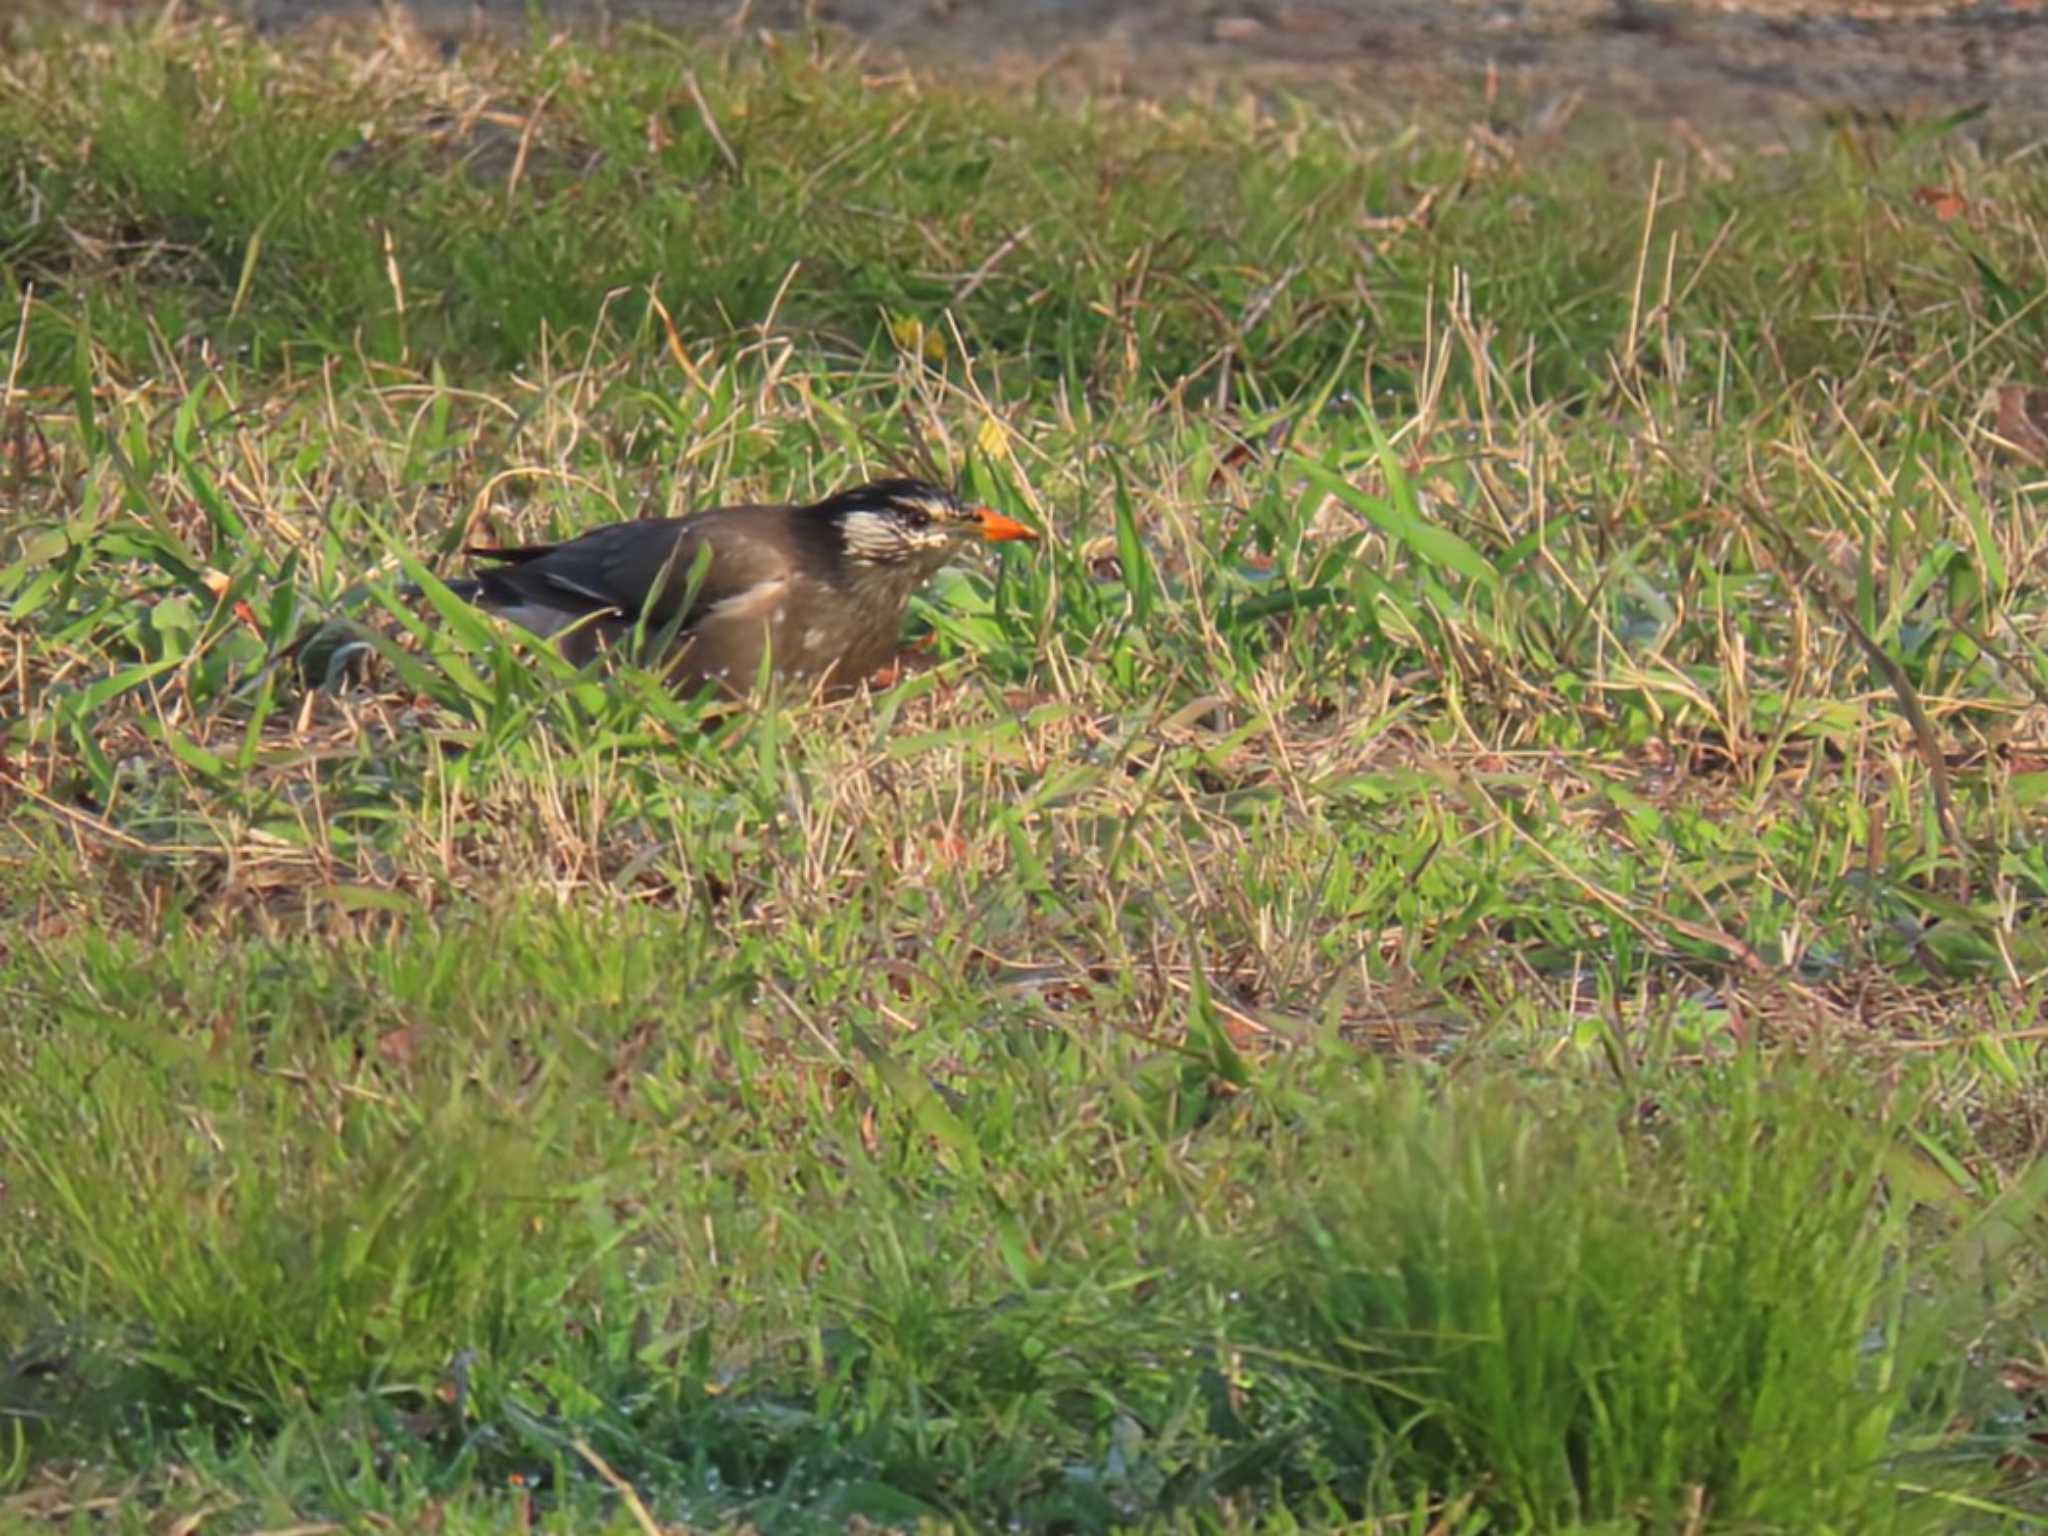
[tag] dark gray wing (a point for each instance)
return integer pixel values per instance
(624, 570)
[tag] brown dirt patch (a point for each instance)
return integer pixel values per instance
(1733, 68)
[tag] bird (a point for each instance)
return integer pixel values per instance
(817, 590)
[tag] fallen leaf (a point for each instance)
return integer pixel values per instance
(1946, 205)
(993, 439)
(2022, 423)
(870, 1132)
(1244, 450)
(399, 1046)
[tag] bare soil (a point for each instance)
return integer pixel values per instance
(1769, 67)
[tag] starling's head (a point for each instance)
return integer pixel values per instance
(911, 522)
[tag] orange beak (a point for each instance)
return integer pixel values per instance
(995, 526)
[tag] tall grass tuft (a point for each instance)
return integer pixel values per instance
(1699, 1311)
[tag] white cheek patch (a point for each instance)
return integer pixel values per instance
(870, 536)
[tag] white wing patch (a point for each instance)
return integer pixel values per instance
(543, 621)
(761, 601)
(563, 584)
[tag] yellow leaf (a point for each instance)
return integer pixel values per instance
(911, 335)
(907, 331)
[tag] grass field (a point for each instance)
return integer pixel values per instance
(1461, 949)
